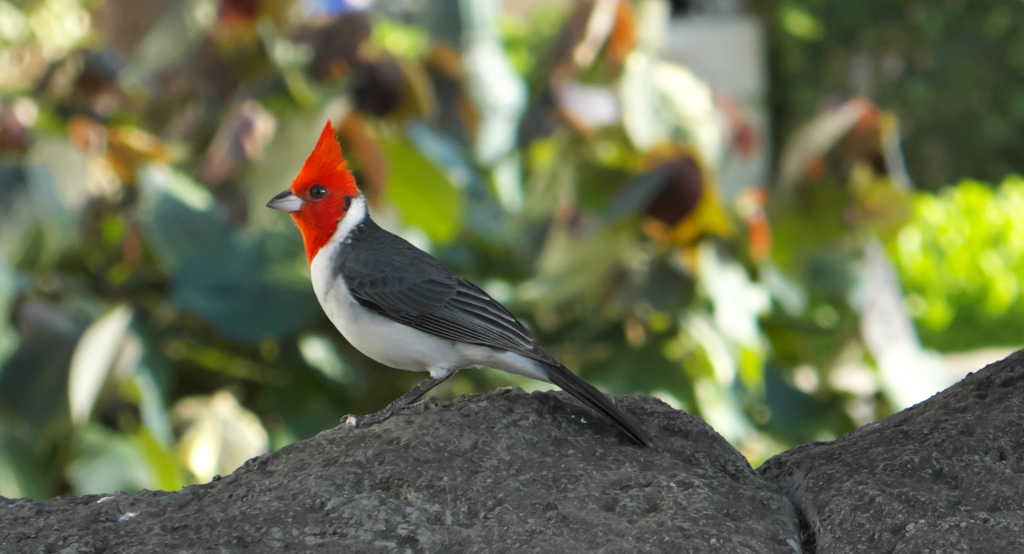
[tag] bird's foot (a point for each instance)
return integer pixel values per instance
(417, 392)
(368, 420)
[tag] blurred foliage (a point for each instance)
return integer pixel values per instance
(952, 71)
(159, 327)
(961, 259)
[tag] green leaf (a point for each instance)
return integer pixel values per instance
(409, 42)
(798, 22)
(421, 191)
(33, 381)
(961, 261)
(168, 474)
(8, 335)
(320, 353)
(21, 474)
(107, 463)
(56, 173)
(152, 408)
(219, 275)
(177, 219)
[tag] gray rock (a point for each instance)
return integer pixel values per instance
(508, 471)
(498, 472)
(946, 475)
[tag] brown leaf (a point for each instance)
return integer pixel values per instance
(816, 138)
(87, 134)
(444, 59)
(622, 38)
(129, 147)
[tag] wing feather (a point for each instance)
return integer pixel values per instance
(396, 280)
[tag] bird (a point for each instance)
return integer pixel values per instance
(401, 306)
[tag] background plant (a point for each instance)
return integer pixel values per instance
(159, 327)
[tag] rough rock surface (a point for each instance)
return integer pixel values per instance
(944, 476)
(504, 471)
(508, 471)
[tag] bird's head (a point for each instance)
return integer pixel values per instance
(320, 194)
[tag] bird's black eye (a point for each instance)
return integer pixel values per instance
(317, 192)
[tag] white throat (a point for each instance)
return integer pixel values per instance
(354, 216)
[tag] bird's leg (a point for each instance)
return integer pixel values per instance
(417, 392)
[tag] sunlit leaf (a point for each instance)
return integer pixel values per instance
(498, 93)
(93, 360)
(59, 26)
(663, 101)
(404, 41)
(15, 27)
(481, 213)
(219, 434)
(960, 260)
(130, 148)
(798, 22)
(736, 299)
(721, 410)
(156, 180)
(910, 373)
(716, 348)
(638, 101)
(791, 294)
(588, 107)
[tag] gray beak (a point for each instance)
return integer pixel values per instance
(286, 202)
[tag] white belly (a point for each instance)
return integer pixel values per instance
(399, 346)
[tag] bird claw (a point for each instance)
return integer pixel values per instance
(364, 421)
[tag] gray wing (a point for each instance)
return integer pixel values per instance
(396, 280)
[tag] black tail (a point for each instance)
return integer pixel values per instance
(586, 393)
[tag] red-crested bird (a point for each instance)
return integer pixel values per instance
(402, 307)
